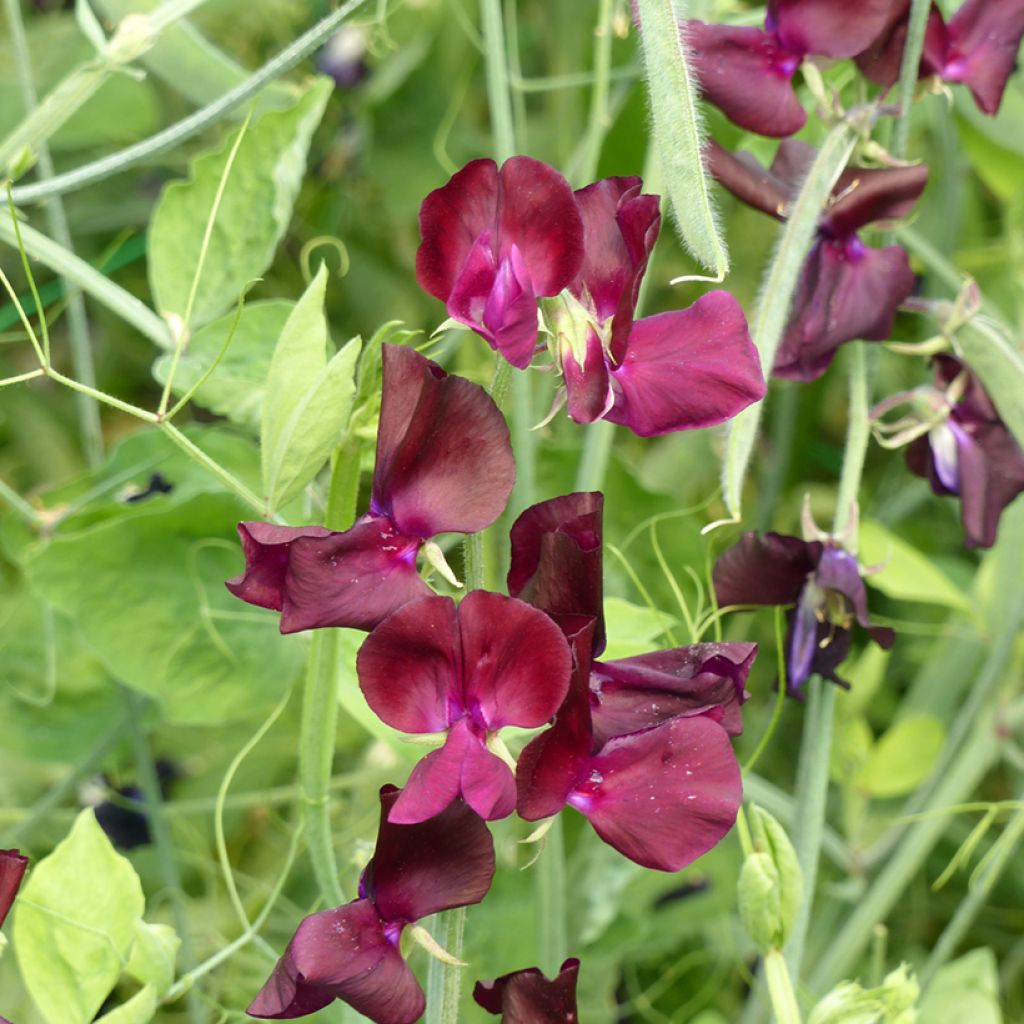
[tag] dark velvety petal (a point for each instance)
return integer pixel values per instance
(984, 37)
(12, 870)
(747, 180)
(764, 570)
(444, 459)
(354, 579)
(802, 637)
(975, 406)
(870, 194)
(410, 667)
(557, 558)
(341, 954)
(435, 865)
(266, 550)
(516, 662)
(452, 218)
(831, 28)
(846, 292)
(637, 693)
(748, 75)
(991, 476)
(792, 161)
(126, 827)
(690, 368)
(666, 796)
(880, 61)
(588, 387)
(830, 646)
(527, 997)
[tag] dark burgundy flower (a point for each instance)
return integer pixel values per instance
(689, 368)
(970, 453)
(352, 952)
(444, 463)
(127, 827)
(824, 583)
(978, 48)
(527, 997)
(12, 870)
(467, 671)
(748, 73)
(846, 290)
(493, 242)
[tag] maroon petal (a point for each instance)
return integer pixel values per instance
(984, 37)
(588, 387)
(435, 865)
(748, 75)
(341, 954)
(747, 180)
(690, 368)
(444, 459)
(870, 194)
(829, 27)
(12, 870)
(487, 783)
(516, 662)
(880, 61)
(846, 291)
(266, 549)
(666, 796)
(409, 667)
(634, 694)
(557, 558)
(764, 570)
(991, 467)
(528, 997)
(838, 570)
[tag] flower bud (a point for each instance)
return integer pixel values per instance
(891, 1003)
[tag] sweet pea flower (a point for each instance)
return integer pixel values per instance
(969, 453)
(846, 290)
(444, 464)
(527, 997)
(465, 671)
(12, 870)
(977, 48)
(689, 368)
(748, 72)
(494, 240)
(821, 579)
(352, 952)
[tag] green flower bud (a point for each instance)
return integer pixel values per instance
(891, 1003)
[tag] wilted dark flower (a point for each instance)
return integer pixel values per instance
(12, 870)
(128, 827)
(352, 952)
(846, 290)
(527, 997)
(444, 463)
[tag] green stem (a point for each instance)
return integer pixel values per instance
(916, 25)
(780, 988)
(444, 982)
(780, 697)
(231, 482)
(598, 125)
(498, 94)
(170, 137)
(552, 928)
(858, 434)
(101, 396)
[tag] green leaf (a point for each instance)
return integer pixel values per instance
(906, 574)
(253, 215)
(964, 990)
(147, 591)
(307, 401)
(76, 924)
(153, 955)
(997, 359)
(140, 1009)
(903, 758)
(236, 387)
(632, 628)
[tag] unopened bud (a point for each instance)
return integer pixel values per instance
(134, 36)
(891, 1003)
(770, 885)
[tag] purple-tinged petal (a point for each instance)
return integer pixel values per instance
(634, 694)
(356, 578)
(410, 667)
(266, 550)
(424, 868)
(991, 476)
(748, 75)
(870, 194)
(802, 638)
(944, 440)
(663, 797)
(747, 180)
(690, 368)
(846, 292)
(528, 997)
(830, 28)
(791, 162)
(588, 387)
(444, 459)
(341, 954)
(984, 37)
(839, 571)
(516, 662)
(880, 61)
(765, 570)
(12, 870)
(830, 646)
(487, 783)
(557, 558)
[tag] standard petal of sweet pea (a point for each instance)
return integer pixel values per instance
(691, 368)
(515, 661)
(588, 387)
(444, 459)
(409, 667)
(666, 796)
(991, 476)
(764, 570)
(748, 75)
(421, 869)
(634, 694)
(984, 37)
(846, 292)
(12, 870)
(528, 997)
(871, 194)
(747, 180)
(267, 554)
(831, 28)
